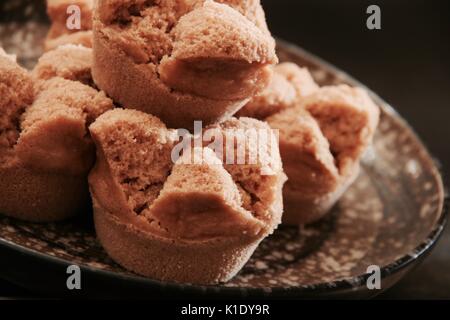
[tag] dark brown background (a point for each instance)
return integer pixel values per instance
(407, 63)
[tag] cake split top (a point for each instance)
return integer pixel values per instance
(182, 60)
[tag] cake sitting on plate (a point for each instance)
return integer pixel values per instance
(111, 113)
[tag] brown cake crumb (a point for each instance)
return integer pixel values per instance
(300, 78)
(71, 62)
(83, 38)
(322, 138)
(54, 133)
(138, 151)
(278, 96)
(59, 34)
(305, 151)
(176, 220)
(16, 93)
(347, 117)
(45, 147)
(216, 44)
(256, 187)
(200, 60)
(57, 11)
(252, 9)
(203, 195)
(74, 94)
(289, 85)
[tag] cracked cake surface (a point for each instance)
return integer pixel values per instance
(323, 135)
(289, 84)
(146, 172)
(183, 60)
(16, 94)
(71, 62)
(185, 202)
(45, 146)
(59, 33)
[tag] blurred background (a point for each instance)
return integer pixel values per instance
(407, 63)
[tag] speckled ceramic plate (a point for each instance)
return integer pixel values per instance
(391, 217)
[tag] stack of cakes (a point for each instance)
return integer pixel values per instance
(117, 120)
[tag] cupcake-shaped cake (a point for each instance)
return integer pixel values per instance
(323, 134)
(191, 218)
(45, 148)
(182, 60)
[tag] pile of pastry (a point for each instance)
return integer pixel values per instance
(97, 121)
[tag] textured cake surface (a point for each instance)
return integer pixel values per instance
(194, 207)
(60, 33)
(323, 134)
(182, 60)
(45, 148)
